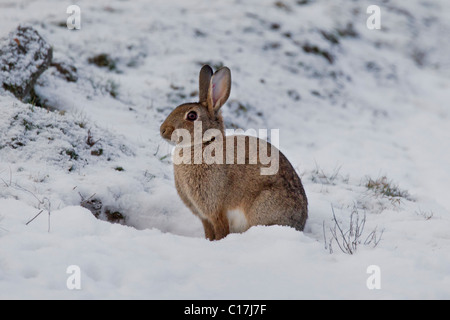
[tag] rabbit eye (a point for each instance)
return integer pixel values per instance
(192, 116)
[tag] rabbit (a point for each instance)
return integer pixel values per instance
(230, 198)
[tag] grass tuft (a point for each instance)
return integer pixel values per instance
(386, 188)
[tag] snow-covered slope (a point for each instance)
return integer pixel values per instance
(353, 106)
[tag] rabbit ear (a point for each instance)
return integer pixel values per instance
(204, 79)
(219, 89)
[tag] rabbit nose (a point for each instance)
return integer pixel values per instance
(166, 131)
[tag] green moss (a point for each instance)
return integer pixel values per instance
(72, 154)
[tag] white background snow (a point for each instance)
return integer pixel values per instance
(378, 108)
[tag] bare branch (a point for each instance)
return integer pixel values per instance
(349, 240)
(34, 217)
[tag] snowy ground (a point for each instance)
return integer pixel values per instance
(353, 105)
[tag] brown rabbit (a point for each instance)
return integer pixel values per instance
(230, 197)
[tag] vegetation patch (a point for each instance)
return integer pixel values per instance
(96, 207)
(103, 60)
(328, 178)
(313, 49)
(386, 188)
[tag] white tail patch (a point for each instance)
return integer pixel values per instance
(237, 221)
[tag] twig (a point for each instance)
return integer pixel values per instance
(40, 201)
(49, 209)
(344, 240)
(372, 238)
(34, 217)
(349, 240)
(83, 200)
(157, 150)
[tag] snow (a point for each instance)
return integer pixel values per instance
(379, 109)
(24, 56)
